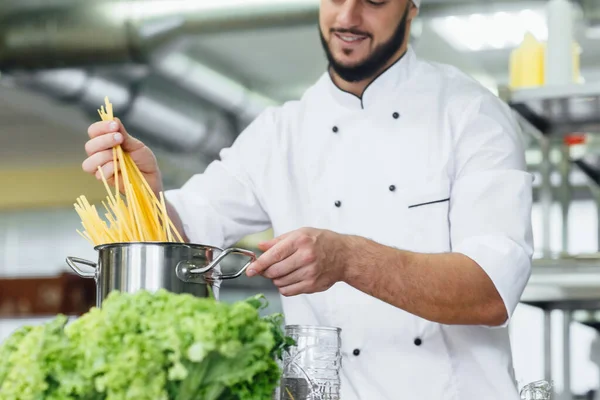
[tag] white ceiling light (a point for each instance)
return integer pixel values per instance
(499, 30)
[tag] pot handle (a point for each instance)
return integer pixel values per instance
(247, 253)
(72, 262)
(185, 270)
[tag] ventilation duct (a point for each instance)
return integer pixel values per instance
(62, 34)
(186, 72)
(156, 111)
(78, 86)
(170, 115)
(76, 33)
(58, 39)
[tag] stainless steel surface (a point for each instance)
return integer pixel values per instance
(546, 196)
(597, 198)
(559, 109)
(187, 72)
(169, 115)
(548, 344)
(74, 262)
(156, 111)
(130, 267)
(565, 281)
(555, 92)
(189, 271)
(565, 196)
(566, 349)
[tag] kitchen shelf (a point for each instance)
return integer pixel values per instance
(558, 110)
(568, 282)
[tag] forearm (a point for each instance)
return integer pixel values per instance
(445, 288)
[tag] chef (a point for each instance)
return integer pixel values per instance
(400, 202)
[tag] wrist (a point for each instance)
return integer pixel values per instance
(348, 254)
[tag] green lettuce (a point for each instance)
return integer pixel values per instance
(148, 346)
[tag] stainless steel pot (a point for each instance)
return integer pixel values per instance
(176, 267)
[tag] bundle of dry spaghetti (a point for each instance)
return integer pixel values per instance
(136, 215)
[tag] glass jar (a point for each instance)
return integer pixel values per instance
(311, 368)
(539, 390)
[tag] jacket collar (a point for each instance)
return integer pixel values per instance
(385, 83)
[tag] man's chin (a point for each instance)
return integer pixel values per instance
(347, 64)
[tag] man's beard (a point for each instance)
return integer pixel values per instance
(375, 61)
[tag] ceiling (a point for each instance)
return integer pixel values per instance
(280, 62)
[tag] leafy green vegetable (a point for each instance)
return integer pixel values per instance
(148, 346)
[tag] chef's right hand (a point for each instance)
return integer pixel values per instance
(104, 136)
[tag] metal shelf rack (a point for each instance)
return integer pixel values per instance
(564, 282)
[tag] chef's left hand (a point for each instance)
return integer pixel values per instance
(306, 260)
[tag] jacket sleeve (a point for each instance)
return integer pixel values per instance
(491, 198)
(223, 204)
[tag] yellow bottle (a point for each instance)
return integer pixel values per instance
(527, 64)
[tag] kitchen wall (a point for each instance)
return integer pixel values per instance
(36, 242)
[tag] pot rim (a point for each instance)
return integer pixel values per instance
(160, 244)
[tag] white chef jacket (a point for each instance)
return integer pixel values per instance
(428, 161)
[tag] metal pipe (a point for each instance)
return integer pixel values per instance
(188, 73)
(567, 318)
(546, 195)
(548, 344)
(169, 116)
(155, 110)
(565, 195)
(598, 222)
